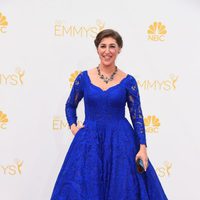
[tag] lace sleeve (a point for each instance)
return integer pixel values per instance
(134, 105)
(73, 100)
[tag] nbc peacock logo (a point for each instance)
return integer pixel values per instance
(62, 28)
(3, 23)
(157, 32)
(73, 77)
(152, 124)
(3, 120)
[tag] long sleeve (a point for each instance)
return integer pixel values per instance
(73, 100)
(134, 105)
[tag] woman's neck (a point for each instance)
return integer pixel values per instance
(107, 69)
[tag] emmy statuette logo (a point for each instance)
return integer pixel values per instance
(13, 79)
(11, 169)
(164, 170)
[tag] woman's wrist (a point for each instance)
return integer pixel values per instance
(73, 125)
(143, 146)
(73, 128)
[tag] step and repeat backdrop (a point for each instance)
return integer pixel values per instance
(44, 45)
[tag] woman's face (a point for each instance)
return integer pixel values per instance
(108, 50)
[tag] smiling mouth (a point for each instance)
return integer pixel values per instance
(107, 57)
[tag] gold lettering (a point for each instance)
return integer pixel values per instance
(151, 37)
(5, 78)
(57, 30)
(3, 125)
(4, 169)
(3, 29)
(159, 84)
(13, 78)
(56, 124)
(12, 170)
(80, 30)
(64, 124)
(167, 85)
(150, 85)
(149, 130)
(67, 30)
(83, 31)
(161, 38)
(144, 84)
(86, 30)
(164, 170)
(156, 130)
(161, 171)
(94, 32)
(59, 124)
(156, 37)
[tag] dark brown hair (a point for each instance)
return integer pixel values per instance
(108, 33)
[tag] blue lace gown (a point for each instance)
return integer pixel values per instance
(100, 162)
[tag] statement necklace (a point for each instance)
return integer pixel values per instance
(106, 79)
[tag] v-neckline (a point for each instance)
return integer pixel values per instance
(116, 85)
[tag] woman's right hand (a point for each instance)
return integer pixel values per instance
(75, 129)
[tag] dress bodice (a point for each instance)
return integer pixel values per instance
(106, 104)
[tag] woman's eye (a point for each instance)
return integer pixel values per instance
(104, 46)
(113, 46)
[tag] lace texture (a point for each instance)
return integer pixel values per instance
(134, 105)
(72, 102)
(100, 163)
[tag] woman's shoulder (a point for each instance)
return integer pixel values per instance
(122, 74)
(130, 81)
(129, 77)
(90, 71)
(81, 73)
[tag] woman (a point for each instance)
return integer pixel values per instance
(101, 163)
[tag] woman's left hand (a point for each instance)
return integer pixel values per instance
(142, 154)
